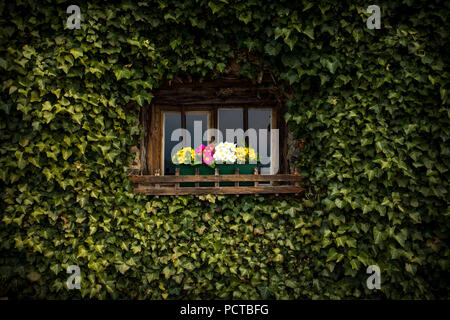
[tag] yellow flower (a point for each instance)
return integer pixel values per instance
(240, 154)
(252, 154)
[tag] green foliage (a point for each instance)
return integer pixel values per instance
(372, 106)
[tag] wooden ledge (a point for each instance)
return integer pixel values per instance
(170, 185)
(218, 178)
(165, 191)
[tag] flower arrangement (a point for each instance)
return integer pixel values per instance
(212, 154)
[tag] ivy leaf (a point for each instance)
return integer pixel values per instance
(123, 73)
(332, 255)
(122, 268)
(339, 203)
(331, 65)
(246, 217)
(66, 153)
(76, 52)
(173, 209)
(33, 276)
(272, 48)
(77, 117)
(139, 99)
(309, 31)
(357, 34)
(291, 284)
(46, 106)
(3, 64)
(291, 41)
(221, 67)
(214, 7)
(82, 252)
(34, 96)
(401, 237)
(264, 291)
(377, 235)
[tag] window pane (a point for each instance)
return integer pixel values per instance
(261, 119)
(197, 136)
(172, 121)
(231, 119)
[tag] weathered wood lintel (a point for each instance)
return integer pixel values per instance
(227, 81)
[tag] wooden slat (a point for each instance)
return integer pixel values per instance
(296, 174)
(177, 173)
(255, 172)
(154, 145)
(196, 174)
(217, 178)
(157, 172)
(219, 190)
(151, 143)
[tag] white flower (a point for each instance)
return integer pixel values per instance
(225, 152)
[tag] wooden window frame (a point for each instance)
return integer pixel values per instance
(199, 95)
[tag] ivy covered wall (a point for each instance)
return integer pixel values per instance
(370, 105)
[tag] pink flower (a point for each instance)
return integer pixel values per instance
(199, 150)
(207, 157)
(209, 148)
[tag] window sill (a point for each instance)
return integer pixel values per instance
(170, 185)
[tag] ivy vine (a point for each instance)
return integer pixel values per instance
(371, 106)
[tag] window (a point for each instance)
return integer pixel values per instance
(173, 120)
(232, 122)
(227, 109)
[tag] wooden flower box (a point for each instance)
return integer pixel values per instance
(224, 169)
(158, 185)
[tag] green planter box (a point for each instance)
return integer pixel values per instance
(243, 169)
(186, 169)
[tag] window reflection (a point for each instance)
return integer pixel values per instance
(197, 137)
(231, 119)
(262, 119)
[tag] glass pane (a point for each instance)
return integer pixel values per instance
(231, 119)
(172, 121)
(261, 119)
(197, 133)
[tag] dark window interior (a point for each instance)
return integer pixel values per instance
(200, 117)
(261, 119)
(231, 119)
